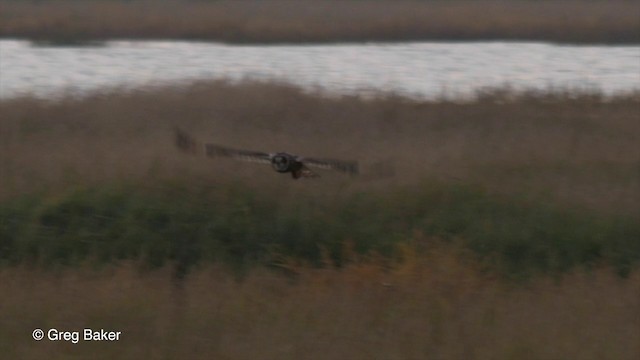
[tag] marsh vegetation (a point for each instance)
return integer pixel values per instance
(439, 305)
(535, 181)
(498, 227)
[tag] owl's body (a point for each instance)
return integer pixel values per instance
(281, 162)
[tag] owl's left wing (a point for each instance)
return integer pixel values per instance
(349, 167)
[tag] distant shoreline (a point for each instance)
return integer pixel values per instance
(322, 21)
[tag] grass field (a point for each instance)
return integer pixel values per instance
(253, 21)
(503, 227)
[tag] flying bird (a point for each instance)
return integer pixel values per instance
(281, 162)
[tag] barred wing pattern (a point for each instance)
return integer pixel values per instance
(350, 167)
(212, 150)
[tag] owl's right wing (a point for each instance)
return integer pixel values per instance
(213, 150)
(187, 143)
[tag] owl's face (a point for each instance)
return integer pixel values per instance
(281, 162)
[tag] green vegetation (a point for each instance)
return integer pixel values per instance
(239, 226)
(69, 22)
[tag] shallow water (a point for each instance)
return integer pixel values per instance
(421, 69)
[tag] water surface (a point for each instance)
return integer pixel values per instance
(422, 69)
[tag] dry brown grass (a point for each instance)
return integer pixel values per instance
(573, 149)
(320, 21)
(438, 306)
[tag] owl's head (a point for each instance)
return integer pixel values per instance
(282, 162)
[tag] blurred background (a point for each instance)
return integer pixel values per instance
(495, 216)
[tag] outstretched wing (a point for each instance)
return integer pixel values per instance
(187, 143)
(213, 150)
(350, 167)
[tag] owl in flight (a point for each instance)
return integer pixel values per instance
(281, 162)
